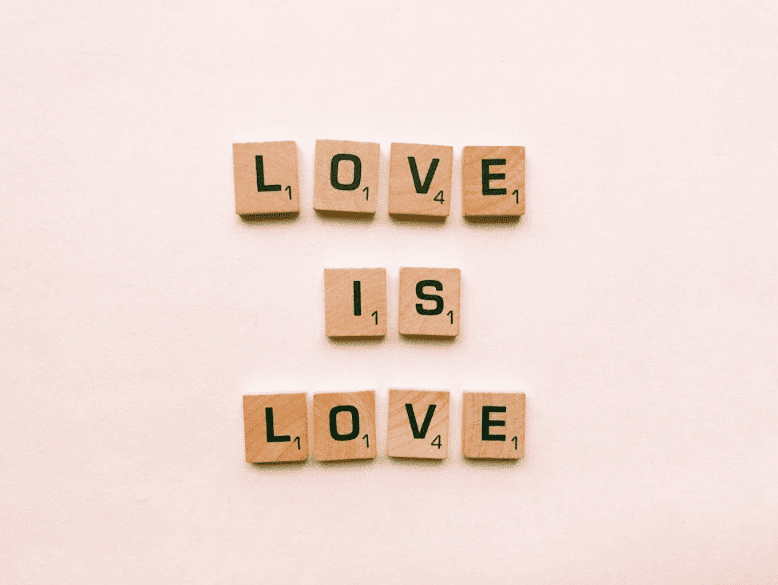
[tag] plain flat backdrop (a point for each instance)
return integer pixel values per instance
(636, 303)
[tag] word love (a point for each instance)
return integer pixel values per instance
(355, 302)
(346, 180)
(276, 426)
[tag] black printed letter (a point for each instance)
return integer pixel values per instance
(422, 188)
(261, 176)
(334, 172)
(437, 285)
(271, 436)
(419, 434)
(486, 176)
(354, 423)
(486, 423)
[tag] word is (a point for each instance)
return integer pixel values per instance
(355, 302)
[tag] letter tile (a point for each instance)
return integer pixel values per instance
(276, 427)
(344, 425)
(493, 425)
(493, 182)
(346, 177)
(418, 424)
(420, 181)
(429, 302)
(266, 179)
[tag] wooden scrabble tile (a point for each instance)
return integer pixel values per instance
(420, 181)
(344, 425)
(429, 301)
(418, 424)
(355, 302)
(493, 182)
(346, 176)
(493, 425)
(266, 178)
(276, 428)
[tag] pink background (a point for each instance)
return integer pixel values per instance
(636, 304)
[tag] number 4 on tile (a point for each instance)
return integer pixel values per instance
(418, 424)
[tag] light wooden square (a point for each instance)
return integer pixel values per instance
(416, 316)
(344, 426)
(408, 435)
(352, 310)
(481, 438)
(420, 181)
(276, 427)
(337, 188)
(266, 178)
(488, 197)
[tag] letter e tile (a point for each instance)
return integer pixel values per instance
(493, 182)
(493, 425)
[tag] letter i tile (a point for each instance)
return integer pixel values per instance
(355, 302)
(346, 177)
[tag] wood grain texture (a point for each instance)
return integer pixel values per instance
(343, 300)
(287, 420)
(409, 437)
(341, 184)
(420, 188)
(483, 440)
(480, 178)
(416, 316)
(279, 179)
(344, 425)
